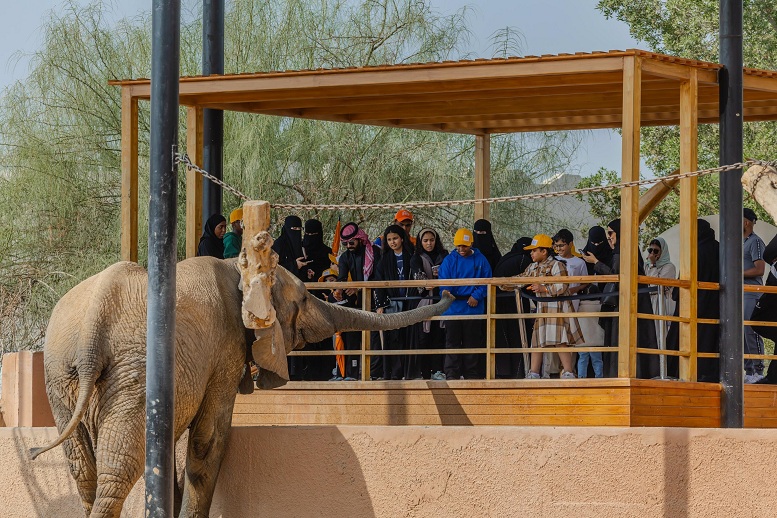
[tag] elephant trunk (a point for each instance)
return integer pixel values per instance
(340, 319)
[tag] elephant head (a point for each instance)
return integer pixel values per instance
(300, 317)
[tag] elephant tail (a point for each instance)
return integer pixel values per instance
(86, 385)
(88, 367)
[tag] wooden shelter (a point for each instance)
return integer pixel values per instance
(616, 89)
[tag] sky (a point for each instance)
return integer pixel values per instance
(548, 27)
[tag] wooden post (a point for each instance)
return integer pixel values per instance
(193, 180)
(482, 175)
(129, 176)
(688, 230)
(257, 266)
(629, 231)
(490, 333)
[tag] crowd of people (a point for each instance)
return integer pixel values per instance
(399, 254)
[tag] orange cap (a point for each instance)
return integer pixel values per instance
(403, 214)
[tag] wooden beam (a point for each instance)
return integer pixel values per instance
(129, 176)
(656, 194)
(689, 143)
(388, 78)
(482, 175)
(194, 146)
(628, 239)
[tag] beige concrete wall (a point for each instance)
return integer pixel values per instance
(448, 471)
(23, 401)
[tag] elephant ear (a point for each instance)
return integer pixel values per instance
(269, 351)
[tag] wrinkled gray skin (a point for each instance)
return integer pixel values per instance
(95, 358)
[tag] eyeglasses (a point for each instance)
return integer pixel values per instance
(352, 242)
(654, 250)
(560, 245)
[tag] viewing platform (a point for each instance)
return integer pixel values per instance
(583, 402)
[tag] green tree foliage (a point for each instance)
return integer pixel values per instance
(60, 137)
(689, 28)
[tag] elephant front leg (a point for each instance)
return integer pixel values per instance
(207, 442)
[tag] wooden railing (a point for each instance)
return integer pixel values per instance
(626, 350)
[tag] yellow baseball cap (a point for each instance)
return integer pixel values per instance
(540, 241)
(327, 273)
(236, 215)
(463, 237)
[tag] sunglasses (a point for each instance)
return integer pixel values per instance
(654, 250)
(352, 242)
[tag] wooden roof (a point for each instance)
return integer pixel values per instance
(531, 93)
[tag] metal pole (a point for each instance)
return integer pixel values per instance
(162, 255)
(731, 333)
(212, 120)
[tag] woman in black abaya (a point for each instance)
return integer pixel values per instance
(288, 246)
(647, 364)
(485, 242)
(212, 240)
(515, 262)
(314, 249)
(315, 368)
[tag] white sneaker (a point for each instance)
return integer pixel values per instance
(532, 376)
(567, 375)
(438, 376)
(753, 378)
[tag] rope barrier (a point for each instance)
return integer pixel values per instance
(184, 159)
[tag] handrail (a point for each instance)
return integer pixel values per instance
(491, 317)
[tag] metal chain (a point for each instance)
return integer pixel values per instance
(499, 199)
(184, 159)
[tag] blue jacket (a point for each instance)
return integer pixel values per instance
(474, 266)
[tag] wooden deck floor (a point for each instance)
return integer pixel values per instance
(601, 402)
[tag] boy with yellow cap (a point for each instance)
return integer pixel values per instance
(465, 263)
(233, 241)
(550, 331)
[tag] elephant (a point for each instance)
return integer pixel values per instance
(95, 357)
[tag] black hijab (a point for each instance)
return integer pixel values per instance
(708, 259)
(210, 245)
(288, 246)
(315, 249)
(602, 250)
(516, 260)
(616, 226)
(486, 242)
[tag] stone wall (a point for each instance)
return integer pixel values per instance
(447, 471)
